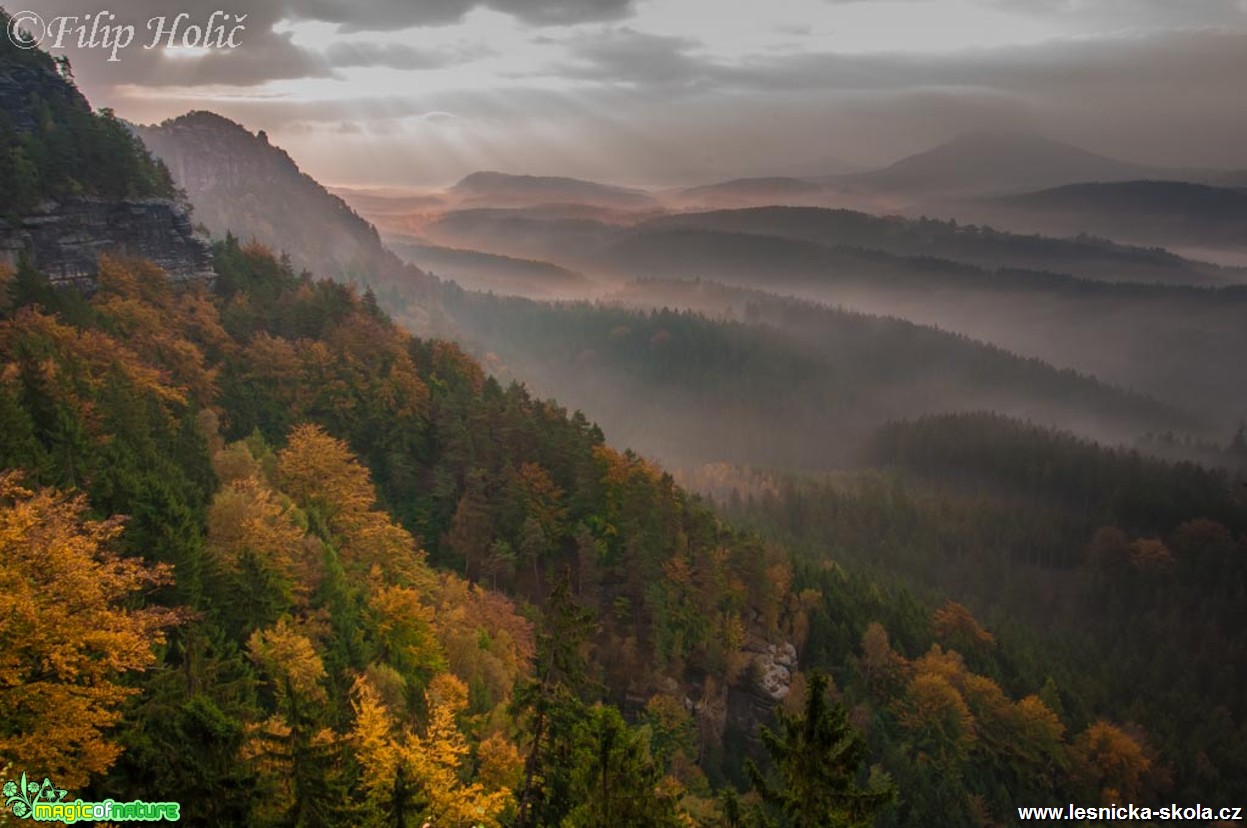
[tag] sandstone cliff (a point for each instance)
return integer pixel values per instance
(76, 183)
(64, 240)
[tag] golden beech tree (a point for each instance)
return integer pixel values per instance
(404, 771)
(290, 661)
(885, 670)
(1113, 760)
(75, 364)
(324, 477)
(438, 757)
(403, 627)
(247, 517)
(953, 623)
(138, 300)
(320, 472)
(486, 641)
(939, 722)
(373, 740)
(288, 752)
(67, 633)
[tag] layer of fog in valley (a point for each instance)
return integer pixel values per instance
(1099, 335)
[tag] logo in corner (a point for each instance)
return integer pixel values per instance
(44, 802)
(22, 796)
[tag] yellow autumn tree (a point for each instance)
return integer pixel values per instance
(372, 739)
(403, 628)
(290, 661)
(248, 518)
(68, 631)
(322, 475)
(139, 302)
(399, 766)
(287, 752)
(940, 726)
(886, 671)
(438, 758)
(954, 624)
(1113, 760)
(486, 641)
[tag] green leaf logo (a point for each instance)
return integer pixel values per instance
(20, 796)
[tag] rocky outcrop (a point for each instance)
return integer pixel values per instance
(773, 669)
(64, 240)
(766, 683)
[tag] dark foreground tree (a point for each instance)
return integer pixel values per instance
(818, 759)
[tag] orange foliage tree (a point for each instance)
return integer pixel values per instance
(68, 632)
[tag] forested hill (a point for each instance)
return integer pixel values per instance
(367, 562)
(52, 146)
(310, 637)
(1127, 571)
(1083, 256)
(700, 373)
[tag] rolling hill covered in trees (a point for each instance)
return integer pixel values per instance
(701, 373)
(1174, 342)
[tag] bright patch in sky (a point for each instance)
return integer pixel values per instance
(694, 89)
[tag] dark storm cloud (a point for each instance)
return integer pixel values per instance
(266, 54)
(623, 55)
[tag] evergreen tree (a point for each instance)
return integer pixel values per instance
(818, 760)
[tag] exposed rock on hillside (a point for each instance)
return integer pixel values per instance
(65, 240)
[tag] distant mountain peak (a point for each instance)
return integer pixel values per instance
(204, 117)
(1001, 160)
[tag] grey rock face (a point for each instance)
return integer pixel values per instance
(65, 240)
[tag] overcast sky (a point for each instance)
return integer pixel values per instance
(417, 92)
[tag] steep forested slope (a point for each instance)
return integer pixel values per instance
(1129, 572)
(324, 635)
(52, 146)
(241, 184)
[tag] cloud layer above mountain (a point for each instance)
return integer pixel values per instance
(652, 91)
